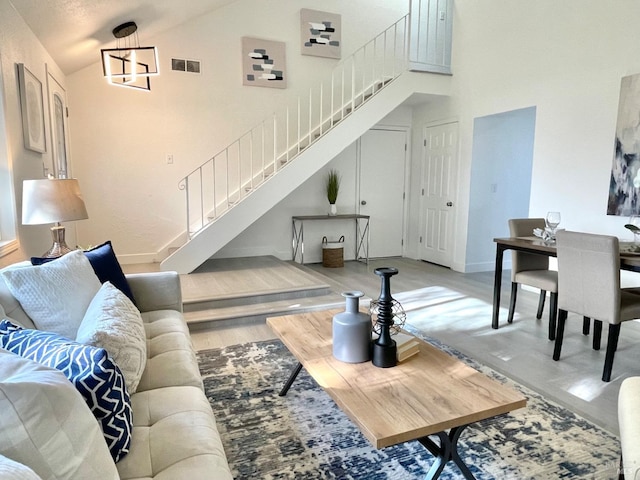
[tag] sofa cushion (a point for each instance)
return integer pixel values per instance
(55, 295)
(171, 359)
(105, 264)
(114, 323)
(46, 424)
(174, 436)
(91, 371)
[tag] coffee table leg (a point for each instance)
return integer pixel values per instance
(292, 378)
(445, 452)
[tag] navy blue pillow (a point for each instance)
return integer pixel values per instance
(91, 370)
(106, 266)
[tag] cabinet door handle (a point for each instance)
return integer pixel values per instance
(449, 204)
(363, 202)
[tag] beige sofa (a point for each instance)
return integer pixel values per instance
(174, 431)
(629, 423)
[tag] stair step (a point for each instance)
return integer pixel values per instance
(253, 298)
(217, 317)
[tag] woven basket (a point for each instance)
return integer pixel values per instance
(333, 253)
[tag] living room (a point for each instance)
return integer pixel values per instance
(565, 60)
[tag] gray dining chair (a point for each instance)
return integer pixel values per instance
(532, 270)
(589, 285)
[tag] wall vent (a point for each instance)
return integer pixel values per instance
(182, 65)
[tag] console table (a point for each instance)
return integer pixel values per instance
(362, 233)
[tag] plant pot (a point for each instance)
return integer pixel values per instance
(332, 209)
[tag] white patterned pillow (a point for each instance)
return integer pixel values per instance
(114, 323)
(12, 470)
(55, 295)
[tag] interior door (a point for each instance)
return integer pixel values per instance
(381, 189)
(59, 127)
(439, 169)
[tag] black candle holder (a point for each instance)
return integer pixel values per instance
(389, 315)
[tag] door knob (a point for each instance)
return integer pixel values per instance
(363, 202)
(449, 204)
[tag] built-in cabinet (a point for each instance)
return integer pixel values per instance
(430, 35)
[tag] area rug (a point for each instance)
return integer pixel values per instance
(304, 435)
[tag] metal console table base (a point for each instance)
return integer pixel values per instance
(362, 234)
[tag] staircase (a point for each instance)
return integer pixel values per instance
(241, 183)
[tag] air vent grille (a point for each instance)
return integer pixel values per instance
(182, 65)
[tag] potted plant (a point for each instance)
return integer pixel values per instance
(332, 184)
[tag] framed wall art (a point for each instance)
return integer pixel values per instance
(624, 183)
(263, 63)
(32, 110)
(320, 33)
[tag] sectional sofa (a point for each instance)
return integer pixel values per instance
(49, 428)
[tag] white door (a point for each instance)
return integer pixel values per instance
(381, 192)
(439, 170)
(59, 127)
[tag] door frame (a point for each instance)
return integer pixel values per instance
(407, 185)
(455, 176)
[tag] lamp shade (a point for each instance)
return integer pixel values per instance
(51, 201)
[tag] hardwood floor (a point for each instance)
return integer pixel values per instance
(456, 309)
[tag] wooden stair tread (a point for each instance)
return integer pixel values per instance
(262, 308)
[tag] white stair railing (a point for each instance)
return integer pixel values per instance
(225, 179)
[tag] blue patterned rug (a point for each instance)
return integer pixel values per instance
(306, 436)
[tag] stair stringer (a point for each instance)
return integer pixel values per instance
(234, 221)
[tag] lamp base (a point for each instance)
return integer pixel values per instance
(59, 246)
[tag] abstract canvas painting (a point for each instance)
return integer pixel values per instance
(625, 171)
(320, 33)
(263, 63)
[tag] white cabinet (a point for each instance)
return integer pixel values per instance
(430, 35)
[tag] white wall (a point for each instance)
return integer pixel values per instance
(120, 138)
(500, 187)
(566, 59)
(18, 44)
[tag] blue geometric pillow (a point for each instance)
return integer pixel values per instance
(91, 371)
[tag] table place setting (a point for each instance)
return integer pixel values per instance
(548, 235)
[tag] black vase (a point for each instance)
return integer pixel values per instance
(384, 347)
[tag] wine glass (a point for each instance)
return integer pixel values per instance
(553, 220)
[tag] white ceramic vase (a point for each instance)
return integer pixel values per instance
(333, 210)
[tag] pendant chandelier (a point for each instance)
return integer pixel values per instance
(129, 64)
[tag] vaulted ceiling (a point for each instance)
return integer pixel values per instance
(74, 31)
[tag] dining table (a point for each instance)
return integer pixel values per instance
(629, 260)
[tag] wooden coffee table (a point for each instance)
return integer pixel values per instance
(428, 394)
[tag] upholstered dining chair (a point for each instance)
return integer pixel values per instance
(532, 270)
(589, 285)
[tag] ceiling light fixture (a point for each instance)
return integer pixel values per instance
(129, 64)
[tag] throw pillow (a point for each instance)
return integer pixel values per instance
(46, 424)
(12, 470)
(92, 372)
(114, 323)
(105, 263)
(55, 295)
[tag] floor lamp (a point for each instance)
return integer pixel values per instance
(52, 201)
